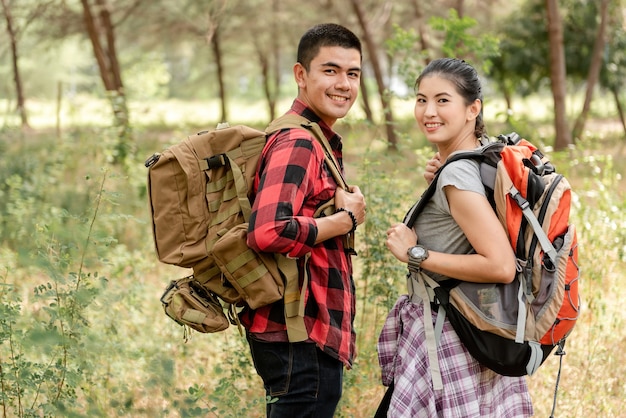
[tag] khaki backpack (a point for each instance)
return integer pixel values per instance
(199, 199)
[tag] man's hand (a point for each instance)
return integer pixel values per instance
(341, 222)
(352, 200)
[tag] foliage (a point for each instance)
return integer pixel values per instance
(403, 47)
(459, 43)
(82, 332)
(45, 381)
(526, 69)
(613, 74)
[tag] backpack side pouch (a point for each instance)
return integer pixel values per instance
(185, 301)
(255, 276)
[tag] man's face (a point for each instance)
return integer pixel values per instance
(331, 85)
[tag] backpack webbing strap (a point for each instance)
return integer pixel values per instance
(536, 357)
(544, 241)
(292, 120)
(293, 298)
(242, 190)
(239, 181)
(521, 310)
(417, 285)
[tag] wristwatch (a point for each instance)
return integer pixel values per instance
(417, 254)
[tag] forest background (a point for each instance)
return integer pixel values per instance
(91, 88)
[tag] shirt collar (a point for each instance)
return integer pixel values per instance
(302, 109)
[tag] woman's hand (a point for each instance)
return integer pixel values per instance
(399, 239)
(431, 168)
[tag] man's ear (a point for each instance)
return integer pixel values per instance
(299, 73)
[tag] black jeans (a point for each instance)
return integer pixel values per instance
(300, 380)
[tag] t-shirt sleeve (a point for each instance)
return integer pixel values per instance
(462, 174)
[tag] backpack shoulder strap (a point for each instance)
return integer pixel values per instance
(292, 120)
(477, 154)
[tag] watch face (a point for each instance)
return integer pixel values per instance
(418, 252)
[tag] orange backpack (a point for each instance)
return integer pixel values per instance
(512, 328)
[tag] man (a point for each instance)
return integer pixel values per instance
(304, 378)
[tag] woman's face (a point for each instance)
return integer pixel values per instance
(442, 113)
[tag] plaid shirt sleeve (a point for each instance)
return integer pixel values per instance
(293, 181)
(288, 191)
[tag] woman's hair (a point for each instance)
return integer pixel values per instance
(466, 80)
(325, 34)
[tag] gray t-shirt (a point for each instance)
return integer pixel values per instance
(436, 228)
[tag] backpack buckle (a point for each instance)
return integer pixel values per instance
(216, 161)
(152, 160)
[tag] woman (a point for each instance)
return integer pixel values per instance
(456, 236)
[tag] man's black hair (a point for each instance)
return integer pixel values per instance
(325, 34)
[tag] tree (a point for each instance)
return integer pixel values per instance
(557, 75)
(613, 73)
(19, 89)
(594, 69)
(523, 70)
(459, 42)
(383, 92)
(214, 39)
(266, 40)
(102, 36)
(421, 29)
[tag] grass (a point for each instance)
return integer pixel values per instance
(125, 358)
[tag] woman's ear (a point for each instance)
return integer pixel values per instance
(474, 109)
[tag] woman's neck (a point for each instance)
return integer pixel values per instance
(462, 143)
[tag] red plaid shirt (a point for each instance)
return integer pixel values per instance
(292, 182)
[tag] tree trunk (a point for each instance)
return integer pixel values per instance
(216, 47)
(19, 89)
(557, 75)
(102, 36)
(378, 75)
(620, 109)
(421, 29)
(276, 54)
(270, 64)
(460, 8)
(365, 98)
(594, 70)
